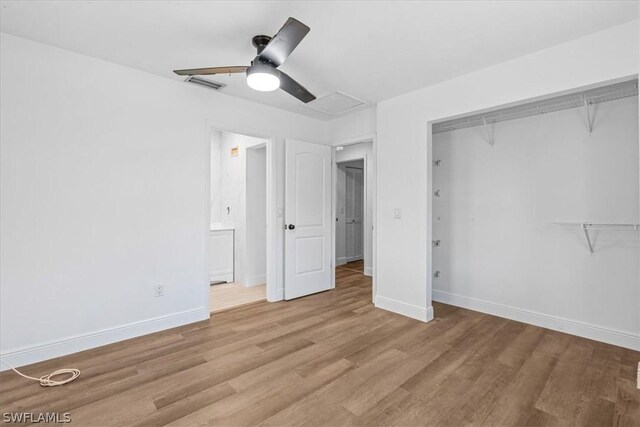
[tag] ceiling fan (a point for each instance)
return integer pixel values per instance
(263, 74)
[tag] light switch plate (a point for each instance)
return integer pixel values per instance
(397, 213)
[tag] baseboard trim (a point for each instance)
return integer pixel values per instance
(368, 271)
(429, 314)
(278, 296)
(399, 307)
(572, 327)
(224, 277)
(52, 349)
(341, 261)
(255, 281)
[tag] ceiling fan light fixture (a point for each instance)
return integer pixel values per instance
(263, 74)
(263, 78)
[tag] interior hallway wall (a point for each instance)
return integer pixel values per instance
(256, 240)
(216, 176)
(341, 197)
(353, 125)
(497, 206)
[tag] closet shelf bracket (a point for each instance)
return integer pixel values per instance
(490, 131)
(586, 226)
(587, 108)
(586, 234)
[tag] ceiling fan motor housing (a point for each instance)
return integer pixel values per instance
(260, 42)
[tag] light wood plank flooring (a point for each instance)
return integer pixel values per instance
(332, 359)
(357, 266)
(228, 295)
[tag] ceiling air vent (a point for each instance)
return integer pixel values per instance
(200, 81)
(336, 103)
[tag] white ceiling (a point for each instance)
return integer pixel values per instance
(371, 50)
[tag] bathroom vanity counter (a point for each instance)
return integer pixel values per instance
(221, 258)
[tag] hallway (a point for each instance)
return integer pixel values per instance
(357, 266)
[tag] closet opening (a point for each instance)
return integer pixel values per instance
(534, 212)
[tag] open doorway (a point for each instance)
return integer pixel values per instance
(353, 210)
(237, 246)
(350, 213)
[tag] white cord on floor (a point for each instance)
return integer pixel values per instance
(46, 381)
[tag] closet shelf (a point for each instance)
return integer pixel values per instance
(586, 226)
(558, 103)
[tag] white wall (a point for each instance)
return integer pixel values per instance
(256, 240)
(216, 177)
(104, 194)
(403, 149)
(497, 207)
(355, 125)
(364, 150)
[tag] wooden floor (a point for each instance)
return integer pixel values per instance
(228, 295)
(357, 266)
(333, 359)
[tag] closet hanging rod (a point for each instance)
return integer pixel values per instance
(600, 226)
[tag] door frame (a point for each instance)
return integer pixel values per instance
(274, 285)
(373, 220)
(365, 217)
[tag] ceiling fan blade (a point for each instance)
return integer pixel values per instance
(283, 43)
(210, 70)
(294, 88)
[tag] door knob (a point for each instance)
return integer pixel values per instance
(292, 227)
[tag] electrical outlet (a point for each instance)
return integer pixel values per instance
(159, 291)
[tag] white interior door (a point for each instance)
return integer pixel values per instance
(354, 213)
(308, 218)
